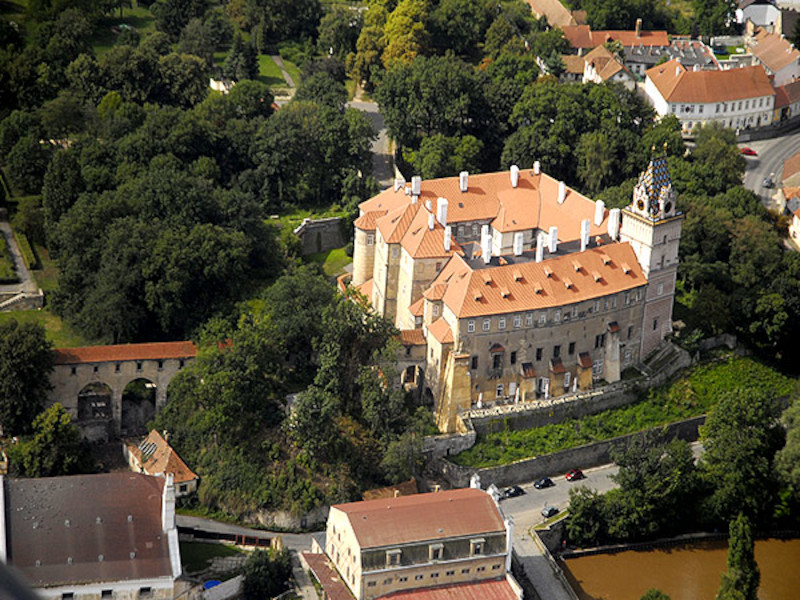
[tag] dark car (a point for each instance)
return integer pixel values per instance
(513, 492)
(768, 183)
(549, 511)
(544, 482)
(574, 475)
(749, 151)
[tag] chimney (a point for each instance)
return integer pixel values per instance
(463, 181)
(614, 223)
(396, 493)
(677, 70)
(165, 435)
(537, 167)
(448, 232)
(514, 176)
(553, 246)
(518, 238)
(541, 240)
(416, 185)
(599, 212)
(585, 225)
(399, 182)
(638, 28)
(562, 192)
(484, 231)
(429, 205)
(441, 211)
(486, 249)
(431, 221)
(168, 503)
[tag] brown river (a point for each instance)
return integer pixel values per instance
(690, 572)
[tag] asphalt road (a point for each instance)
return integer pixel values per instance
(769, 162)
(382, 160)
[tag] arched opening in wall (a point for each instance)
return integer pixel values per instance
(138, 406)
(427, 397)
(94, 402)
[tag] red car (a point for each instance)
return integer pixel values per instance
(574, 475)
(749, 151)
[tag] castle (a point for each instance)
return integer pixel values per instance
(511, 286)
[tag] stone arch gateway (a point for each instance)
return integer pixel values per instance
(80, 371)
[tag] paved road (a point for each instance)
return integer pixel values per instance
(771, 154)
(382, 161)
(299, 542)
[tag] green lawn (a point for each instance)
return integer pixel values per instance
(58, 332)
(47, 275)
(139, 18)
(333, 262)
(197, 556)
(270, 73)
(693, 394)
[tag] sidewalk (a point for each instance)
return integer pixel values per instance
(540, 571)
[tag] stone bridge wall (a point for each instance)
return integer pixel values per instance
(320, 235)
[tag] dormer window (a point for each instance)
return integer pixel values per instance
(435, 552)
(393, 557)
(476, 546)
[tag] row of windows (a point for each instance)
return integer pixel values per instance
(144, 592)
(740, 122)
(435, 575)
(720, 107)
(118, 367)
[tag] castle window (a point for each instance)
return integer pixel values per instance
(557, 315)
(476, 545)
(596, 306)
(497, 360)
(73, 371)
(567, 378)
(438, 267)
(600, 341)
(597, 369)
(627, 356)
(486, 324)
(434, 575)
(627, 298)
(655, 324)
(435, 310)
(543, 318)
(435, 551)
(501, 323)
(529, 319)
(474, 363)
(471, 326)
(370, 239)
(418, 577)
(556, 351)
(372, 583)
(660, 288)
(513, 358)
(464, 571)
(538, 354)
(449, 573)
(630, 331)
(517, 321)
(402, 579)
(138, 365)
(474, 229)
(499, 390)
(395, 251)
(495, 567)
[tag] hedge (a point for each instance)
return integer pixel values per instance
(28, 255)
(7, 273)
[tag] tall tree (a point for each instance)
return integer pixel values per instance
(56, 447)
(26, 361)
(742, 578)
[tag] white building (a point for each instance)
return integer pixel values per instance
(777, 55)
(738, 98)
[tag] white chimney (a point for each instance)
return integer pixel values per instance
(518, 239)
(441, 211)
(599, 212)
(514, 175)
(168, 503)
(585, 226)
(431, 221)
(429, 205)
(553, 246)
(416, 185)
(484, 231)
(448, 233)
(677, 70)
(463, 181)
(562, 192)
(486, 249)
(537, 167)
(541, 240)
(614, 223)
(399, 182)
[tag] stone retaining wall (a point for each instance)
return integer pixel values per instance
(320, 235)
(530, 469)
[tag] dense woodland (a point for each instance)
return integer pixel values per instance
(154, 196)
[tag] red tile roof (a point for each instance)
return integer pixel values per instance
(556, 13)
(367, 220)
(441, 331)
(328, 577)
(117, 515)
(495, 589)
(774, 51)
(676, 84)
(417, 308)
(412, 337)
(156, 457)
(556, 366)
(582, 37)
(154, 351)
(437, 516)
(420, 241)
(787, 94)
(585, 360)
(791, 166)
(366, 289)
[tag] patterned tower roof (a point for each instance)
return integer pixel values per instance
(655, 183)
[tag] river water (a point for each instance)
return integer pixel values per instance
(690, 572)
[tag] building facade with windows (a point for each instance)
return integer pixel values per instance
(742, 98)
(453, 540)
(522, 287)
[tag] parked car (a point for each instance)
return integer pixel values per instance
(768, 183)
(574, 475)
(512, 492)
(749, 151)
(544, 482)
(549, 511)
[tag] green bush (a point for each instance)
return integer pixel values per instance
(7, 272)
(690, 396)
(28, 255)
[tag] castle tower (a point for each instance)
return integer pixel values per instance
(653, 227)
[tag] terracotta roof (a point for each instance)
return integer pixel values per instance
(386, 201)
(412, 337)
(676, 84)
(366, 288)
(441, 331)
(585, 360)
(787, 94)
(791, 166)
(154, 351)
(573, 63)
(773, 51)
(367, 221)
(494, 589)
(51, 520)
(605, 63)
(556, 366)
(556, 13)
(582, 37)
(405, 488)
(409, 519)
(156, 457)
(435, 292)
(468, 295)
(395, 223)
(420, 241)
(322, 568)
(417, 308)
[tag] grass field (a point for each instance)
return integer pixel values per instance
(333, 262)
(139, 18)
(196, 556)
(270, 73)
(693, 394)
(58, 332)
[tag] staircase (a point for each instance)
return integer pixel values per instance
(665, 360)
(23, 301)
